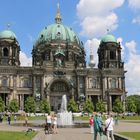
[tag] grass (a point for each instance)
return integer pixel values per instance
(85, 118)
(119, 118)
(20, 118)
(6, 135)
(133, 135)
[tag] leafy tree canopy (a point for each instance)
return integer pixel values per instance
(100, 107)
(2, 106)
(72, 106)
(30, 105)
(88, 106)
(118, 106)
(13, 106)
(45, 106)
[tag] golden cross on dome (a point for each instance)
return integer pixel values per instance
(108, 31)
(58, 18)
(8, 26)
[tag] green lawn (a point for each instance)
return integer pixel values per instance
(5, 135)
(129, 118)
(133, 135)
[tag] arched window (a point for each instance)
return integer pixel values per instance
(113, 83)
(25, 83)
(5, 82)
(47, 55)
(59, 86)
(94, 83)
(5, 52)
(112, 55)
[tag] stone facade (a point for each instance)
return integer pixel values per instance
(59, 68)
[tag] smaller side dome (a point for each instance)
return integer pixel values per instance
(108, 38)
(7, 34)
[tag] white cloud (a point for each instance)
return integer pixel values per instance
(96, 16)
(136, 20)
(133, 73)
(134, 4)
(97, 26)
(97, 7)
(25, 60)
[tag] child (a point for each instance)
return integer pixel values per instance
(91, 123)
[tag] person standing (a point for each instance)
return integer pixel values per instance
(98, 126)
(54, 123)
(15, 118)
(91, 123)
(109, 123)
(9, 119)
(26, 121)
(49, 123)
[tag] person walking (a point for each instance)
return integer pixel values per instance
(98, 126)
(91, 123)
(109, 123)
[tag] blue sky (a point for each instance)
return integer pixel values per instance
(89, 19)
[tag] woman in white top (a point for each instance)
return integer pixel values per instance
(54, 123)
(109, 123)
(49, 123)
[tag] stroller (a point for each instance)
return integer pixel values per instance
(48, 128)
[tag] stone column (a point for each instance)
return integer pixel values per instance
(14, 86)
(34, 85)
(78, 86)
(22, 101)
(42, 87)
(85, 85)
(110, 103)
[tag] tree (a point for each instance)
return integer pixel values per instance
(2, 106)
(100, 107)
(131, 106)
(72, 106)
(118, 106)
(45, 106)
(88, 106)
(30, 105)
(138, 108)
(136, 99)
(13, 106)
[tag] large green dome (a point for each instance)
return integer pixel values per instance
(7, 34)
(108, 38)
(57, 32)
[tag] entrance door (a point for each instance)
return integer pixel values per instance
(57, 90)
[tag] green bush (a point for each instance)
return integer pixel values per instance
(30, 105)
(13, 106)
(72, 106)
(45, 106)
(88, 106)
(2, 106)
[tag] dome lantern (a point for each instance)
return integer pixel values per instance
(58, 18)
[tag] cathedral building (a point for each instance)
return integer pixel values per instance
(59, 67)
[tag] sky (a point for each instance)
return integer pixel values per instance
(90, 19)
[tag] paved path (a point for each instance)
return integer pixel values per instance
(73, 133)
